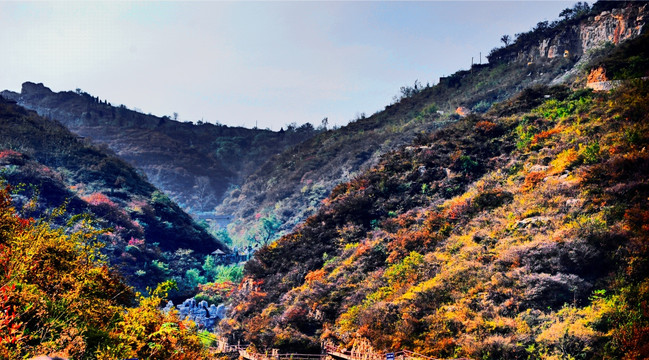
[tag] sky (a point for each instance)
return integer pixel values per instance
(264, 64)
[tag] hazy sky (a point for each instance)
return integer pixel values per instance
(239, 63)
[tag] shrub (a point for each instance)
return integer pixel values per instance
(97, 199)
(486, 126)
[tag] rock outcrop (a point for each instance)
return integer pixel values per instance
(578, 37)
(204, 315)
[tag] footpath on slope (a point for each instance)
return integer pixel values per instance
(360, 351)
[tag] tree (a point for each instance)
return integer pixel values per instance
(193, 278)
(203, 195)
(324, 123)
(223, 236)
(209, 268)
(578, 9)
(267, 229)
(505, 39)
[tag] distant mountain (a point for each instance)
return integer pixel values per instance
(289, 187)
(520, 233)
(50, 167)
(194, 164)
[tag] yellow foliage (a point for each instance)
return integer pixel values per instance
(564, 160)
(59, 297)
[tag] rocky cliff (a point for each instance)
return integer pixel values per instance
(606, 22)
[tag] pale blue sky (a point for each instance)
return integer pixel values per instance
(241, 63)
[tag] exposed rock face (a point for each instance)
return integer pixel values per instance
(614, 26)
(204, 315)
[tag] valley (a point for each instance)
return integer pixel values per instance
(497, 213)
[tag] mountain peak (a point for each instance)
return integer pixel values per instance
(30, 88)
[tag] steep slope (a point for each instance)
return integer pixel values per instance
(290, 186)
(520, 233)
(194, 164)
(54, 168)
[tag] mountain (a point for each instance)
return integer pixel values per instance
(51, 168)
(290, 186)
(516, 233)
(194, 164)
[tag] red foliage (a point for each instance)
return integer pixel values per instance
(9, 153)
(222, 290)
(10, 328)
(98, 199)
(135, 242)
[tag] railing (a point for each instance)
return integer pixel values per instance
(276, 356)
(409, 355)
(335, 351)
(329, 350)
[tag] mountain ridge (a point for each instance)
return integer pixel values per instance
(181, 158)
(54, 168)
(312, 169)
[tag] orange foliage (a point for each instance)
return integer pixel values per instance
(315, 275)
(545, 134)
(485, 126)
(597, 75)
(532, 179)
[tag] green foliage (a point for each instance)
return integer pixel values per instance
(193, 278)
(525, 136)
(633, 136)
(228, 273)
(209, 267)
(590, 153)
(159, 197)
(406, 270)
(223, 236)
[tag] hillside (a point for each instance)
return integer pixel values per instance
(49, 167)
(514, 234)
(290, 187)
(59, 297)
(193, 163)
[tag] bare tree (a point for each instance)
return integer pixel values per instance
(203, 194)
(324, 123)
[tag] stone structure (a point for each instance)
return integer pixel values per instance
(204, 315)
